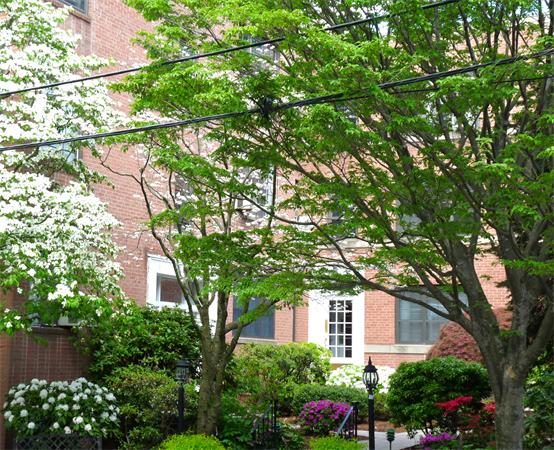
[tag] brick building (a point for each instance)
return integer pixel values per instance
(388, 329)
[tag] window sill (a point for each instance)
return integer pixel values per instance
(252, 340)
(400, 349)
(74, 12)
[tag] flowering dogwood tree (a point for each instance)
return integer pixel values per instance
(55, 244)
(56, 241)
(34, 50)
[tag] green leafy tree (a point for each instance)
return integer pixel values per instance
(431, 179)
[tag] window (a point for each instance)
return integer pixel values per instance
(263, 196)
(79, 5)
(416, 324)
(168, 290)
(268, 53)
(340, 328)
(263, 327)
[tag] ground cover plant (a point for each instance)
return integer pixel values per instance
(334, 443)
(191, 442)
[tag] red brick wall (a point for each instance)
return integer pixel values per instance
(6, 300)
(47, 354)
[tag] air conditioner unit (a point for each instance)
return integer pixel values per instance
(66, 321)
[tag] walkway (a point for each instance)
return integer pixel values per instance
(401, 440)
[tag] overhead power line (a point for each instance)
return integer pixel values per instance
(289, 105)
(276, 40)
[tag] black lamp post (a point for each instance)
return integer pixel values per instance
(182, 375)
(371, 379)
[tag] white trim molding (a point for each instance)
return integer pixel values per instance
(160, 265)
(399, 349)
(318, 323)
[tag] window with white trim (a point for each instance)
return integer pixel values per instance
(416, 324)
(340, 328)
(261, 328)
(79, 5)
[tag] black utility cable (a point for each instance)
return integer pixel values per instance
(284, 106)
(339, 26)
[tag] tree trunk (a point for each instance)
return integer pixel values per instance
(509, 413)
(209, 397)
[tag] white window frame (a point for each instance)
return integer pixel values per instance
(160, 265)
(318, 323)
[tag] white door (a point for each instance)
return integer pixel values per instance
(336, 321)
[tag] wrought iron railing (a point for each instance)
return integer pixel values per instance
(265, 430)
(58, 442)
(349, 426)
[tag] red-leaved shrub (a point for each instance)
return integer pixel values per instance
(455, 341)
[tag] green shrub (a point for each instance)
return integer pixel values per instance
(314, 392)
(290, 438)
(235, 422)
(191, 442)
(539, 397)
(415, 387)
(270, 371)
(148, 404)
(334, 443)
(141, 336)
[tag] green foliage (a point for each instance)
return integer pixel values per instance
(415, 387)
(312, 392)
(148, 403)
(467, 156)
(539, 397)
(135, 335)
(290, 438)
(191, 442)
(270, 372)
(334, 443)
(235, 422)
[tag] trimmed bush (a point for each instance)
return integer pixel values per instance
(313, 392)
(136, 335)
(148, 403)
(271, 372)
(334, 443)
(322, 417)
(191, 442)
(455, 341)
(415, 387)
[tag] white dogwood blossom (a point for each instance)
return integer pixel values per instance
(58, 241)
(55, 241)
(34, 50)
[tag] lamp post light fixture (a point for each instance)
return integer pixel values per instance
(182, 376)
(371, 379)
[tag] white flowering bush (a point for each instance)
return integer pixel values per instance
(55, 240)
(351, 375)
(35, 49)
(61, 407)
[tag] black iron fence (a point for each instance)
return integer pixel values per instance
(348, 428)
(265, 429)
